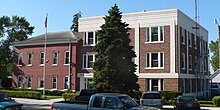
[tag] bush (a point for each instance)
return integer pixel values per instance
(69, 96)
(169, 96)
(216, 101)
(22, 94)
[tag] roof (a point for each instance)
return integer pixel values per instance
(51, 38)
(215, 76)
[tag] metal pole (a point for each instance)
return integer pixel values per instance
(45, 49)
(219, 46)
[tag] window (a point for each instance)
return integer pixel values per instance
(183, 61)
(110, 103)
(54, 82)
(195, 42)
(90, 39)
(29, 81)
(66, 57)
(205, 65)
(190, 62)
(20, 79)
(30, 55)
(40, 82)
(20, 59)
(182, 34)
(42, 58)
(66, 80)
(97, 101)
(154, 84)
(189, 39)
(55, 55)
(88, 60)
(155, 60)
(154, 34)
(196, 66)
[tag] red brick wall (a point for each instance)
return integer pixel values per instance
(35, 70)
(171, 84)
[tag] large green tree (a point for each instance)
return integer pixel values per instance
(11, 29)
(215, 57)
(75, 25)
(114, 68)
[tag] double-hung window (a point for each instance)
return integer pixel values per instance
(189, 39)
(55, 57)
(30, 56)
(40, 82)
(88, 61)
(20, 59)
(155, 60)
(54, 82)
(90, 38)
(41, 58)
(66, 80)
(183, 61)
(66, 58)
(182, 35)
(20, 79)
(190, 62)
(29, 81)
(195, 41)
(154, 34)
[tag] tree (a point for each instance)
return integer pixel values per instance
(114, 68)
(215, 57)
(11, 29)
(75, 22)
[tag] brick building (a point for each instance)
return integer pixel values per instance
(172, 52)
(29, 61)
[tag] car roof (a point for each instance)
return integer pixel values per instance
(111, 94)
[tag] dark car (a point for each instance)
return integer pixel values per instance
(6, 103)
(186, 103)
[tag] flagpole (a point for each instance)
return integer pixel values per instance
(45, 49)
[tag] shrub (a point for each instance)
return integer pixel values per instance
(169, 96)
(22, 94)
(69, 96)
(216, 101)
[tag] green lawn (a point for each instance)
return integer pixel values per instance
(52, 97)
(206, 102)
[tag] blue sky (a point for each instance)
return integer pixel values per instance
(60, 12)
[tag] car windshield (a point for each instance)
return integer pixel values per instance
(187, 99)
(3, 98)
(151, 96)
(128, 102)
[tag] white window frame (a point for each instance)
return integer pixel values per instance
(20, 81)
(20, 59)
(189, 39)
(86, 66)
(30, 59)
(29, 82)
(53, 57)
(190, 62)
(86, 38)
(54, 82)
(159, 86)
(183, 64)
(149, 40)
(65, 83)
(159, 60)
(39, 79)
(42, 58)
(65, 53)
(183, 35)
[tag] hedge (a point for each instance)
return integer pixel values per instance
(216, 101)
(169, 96)
(22, 94)
(69, 96)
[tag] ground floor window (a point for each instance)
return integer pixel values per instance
(54, 82)
(88, 83)
(40, 82)
(66, 80)
(154, 84)
(29, 81)
(20, 79)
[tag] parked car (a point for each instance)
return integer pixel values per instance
(151, 99)
(186, 102)
(6, 103)
(100, 101)
(214, 89)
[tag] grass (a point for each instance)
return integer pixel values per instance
(52, 97)
(206, 102)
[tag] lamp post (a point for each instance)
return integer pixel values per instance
(216, 22)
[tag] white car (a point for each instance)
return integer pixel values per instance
(151, 99)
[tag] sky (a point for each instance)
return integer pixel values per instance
(60, 12)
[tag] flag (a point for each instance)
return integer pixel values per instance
(45, 22)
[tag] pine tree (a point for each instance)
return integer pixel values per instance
(75, 25)
(114, 68)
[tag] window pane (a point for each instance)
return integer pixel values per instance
(54, 81)
(154, 85)
(154, 34)
(90, 61)
(84, 61)
(66, 58)
(66, 82)
(148, 60)
(29, 58)
(29, 81)
(42, 58)
(97, 101)
(90, 38)
(161, 33)
(111, 103)
(154, 58)
(161, 60)
(55, 58)
(148, 35)
(20, 59)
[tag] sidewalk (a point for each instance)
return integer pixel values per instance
(36, 101)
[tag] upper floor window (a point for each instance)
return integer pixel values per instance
(42, 58)
(182, 35)
(190, 62)
(30, 56)
(67, 57)
(195, 42)
(155, 60)
(90, 38)
(88, 60)
(183, 61)
(196, 66)
(155, 34)
(55, 57)
(189, 39)
(20, 59)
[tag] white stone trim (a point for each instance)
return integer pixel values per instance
(137, 46)
(172, 46)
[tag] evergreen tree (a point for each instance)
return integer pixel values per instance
(114, 68)
(75, 25)
(214, 59)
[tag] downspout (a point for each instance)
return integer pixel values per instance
(70, 64)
